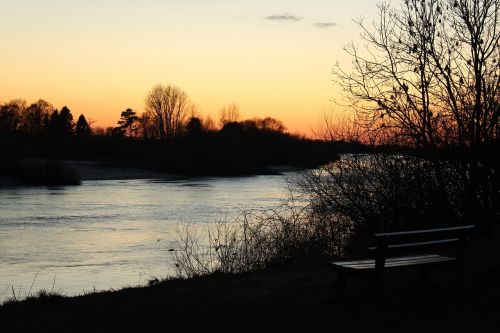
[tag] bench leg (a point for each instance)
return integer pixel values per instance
(341, 281)
(379, 283)
(422, 275)
(459, 273)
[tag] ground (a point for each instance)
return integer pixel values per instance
(299, 298)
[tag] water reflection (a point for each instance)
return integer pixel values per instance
(110, 234)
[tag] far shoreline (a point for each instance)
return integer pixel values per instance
(99, 170)
(113, 170)
(116, 169)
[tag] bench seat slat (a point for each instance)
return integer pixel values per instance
(393, 262)
(418, 244)
(465, 228)
(422, 261)
(410, 249)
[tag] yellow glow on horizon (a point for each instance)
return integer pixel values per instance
(99, 60)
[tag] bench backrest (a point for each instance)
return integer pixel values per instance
(389, 244)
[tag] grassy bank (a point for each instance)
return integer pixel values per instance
(284, 299)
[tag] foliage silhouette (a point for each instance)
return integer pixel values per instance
(428, 80)
(127, 125)
(166, 107)
(247, 147)
(11, 115)
(194, 127)
(61, 125)
(82, 127)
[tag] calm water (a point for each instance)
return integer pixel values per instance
(114, 233)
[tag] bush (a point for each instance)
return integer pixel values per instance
(358, 195)
(258, 239)
(335, 210)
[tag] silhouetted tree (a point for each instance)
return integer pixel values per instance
(61, 125)
(99, 131)
(229, 114)
(232, 129)
(118, 131)
(53, 128)
(209, 125)
(35, 118)
(194, 127)
(334, 126)
(11, 115)
(128, 122)
(147, 129)
(109, 131)
(167, 108)
(270, 124)
(430, 74)
(82, 128)
(66, 121)
(429, 78)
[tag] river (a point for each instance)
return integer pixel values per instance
(111, 233)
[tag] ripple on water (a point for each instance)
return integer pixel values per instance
(104, 233)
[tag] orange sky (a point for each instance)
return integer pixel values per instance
(271, 58)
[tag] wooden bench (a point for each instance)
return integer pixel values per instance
(422, 248)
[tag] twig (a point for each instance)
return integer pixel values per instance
(53, 284)
(32, 283)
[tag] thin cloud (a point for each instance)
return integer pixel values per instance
(283, 17)
(325, 24)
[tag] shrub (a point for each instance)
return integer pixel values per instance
(335, 209)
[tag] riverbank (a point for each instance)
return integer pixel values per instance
(82, 170)
(114, 170)
(212, 154)
(85, 170)
(99, 170)
(287, 299)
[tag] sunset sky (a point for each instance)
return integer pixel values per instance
(100, 57)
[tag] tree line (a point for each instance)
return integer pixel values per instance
(41, 119)
(170, 136)
(168, 114)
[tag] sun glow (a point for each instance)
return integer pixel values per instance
(99, 59)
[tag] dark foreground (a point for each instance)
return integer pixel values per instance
(291, 299)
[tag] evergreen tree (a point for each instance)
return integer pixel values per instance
(61, 124)
(127, 122)
(66, 122)
(82, 127)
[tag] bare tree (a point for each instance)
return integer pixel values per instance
(99, 131)
(167, 107)
(333, 126)
(155, 109)
(429, 74)
(35, 118)
(209, 124)
(147, 129)
(11, 115)
(229, 114)
(270, 124)
(429, 77)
